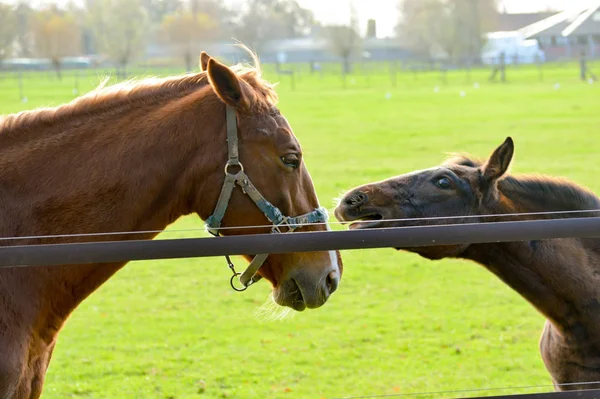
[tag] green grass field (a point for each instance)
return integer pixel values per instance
(398, 324)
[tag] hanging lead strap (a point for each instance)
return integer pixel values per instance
(249, 277)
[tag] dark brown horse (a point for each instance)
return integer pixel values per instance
(560, 278)
(136, 157)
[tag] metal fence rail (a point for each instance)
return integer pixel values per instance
(576, 394)
(584, 394)
(400, 237)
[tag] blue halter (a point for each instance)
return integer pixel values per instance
(281, 223)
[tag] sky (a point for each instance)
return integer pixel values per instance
(386, 14)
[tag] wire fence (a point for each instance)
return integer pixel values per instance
(28, 254)
(26, 251)
(26, 85)
(575, 394)
(397, 237)
(566, 394)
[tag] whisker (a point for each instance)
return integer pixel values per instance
(270, 311)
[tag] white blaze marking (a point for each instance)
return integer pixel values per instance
(333, 255)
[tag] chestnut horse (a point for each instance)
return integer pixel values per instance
(560, 278)
(136, 157)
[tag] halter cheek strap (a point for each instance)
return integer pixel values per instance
(280, 222)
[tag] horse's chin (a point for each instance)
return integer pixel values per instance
(430, 252)
(437, 252)
(289, 294)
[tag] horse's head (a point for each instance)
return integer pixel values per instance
(271, 160)
(459, 187)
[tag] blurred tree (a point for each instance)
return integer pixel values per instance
(158, 9)
(344, 40)
(473, 19)
(296, 21)
(272, 19)
(186, 32)
(24, 40)
(214, 8)
(78, 10)
(8, 29)
(424, 26)
(56, 35)
(120, 28)
(454, 28)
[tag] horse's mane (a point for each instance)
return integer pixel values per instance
(135, 92)
(559, 191)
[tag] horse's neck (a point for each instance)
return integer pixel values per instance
(558, 277)
(531, 194)
(137, 173)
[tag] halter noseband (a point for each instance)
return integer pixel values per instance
(275, 216)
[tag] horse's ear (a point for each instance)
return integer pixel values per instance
(499, 161)
(226, 84)
(204, 61)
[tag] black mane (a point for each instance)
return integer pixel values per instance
(547, 193)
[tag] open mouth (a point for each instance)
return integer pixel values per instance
(370, 220)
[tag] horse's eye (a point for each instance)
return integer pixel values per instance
(444, 183)
(291, 160)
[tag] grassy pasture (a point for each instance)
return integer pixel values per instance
(398, 324)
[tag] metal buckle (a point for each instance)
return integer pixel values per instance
(276, 229)
(230, 164)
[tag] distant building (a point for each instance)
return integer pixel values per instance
(317, 49)
(504, 38)
(568, 33)
(505, 22)
(513, 47)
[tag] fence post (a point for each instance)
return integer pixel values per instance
(393, 66)
(538, 61)
(76, 87)
(443, 73)
(366, 67)
(499, 67)
(468, 69)
(21, 91)
(293, 77)
(583, 68)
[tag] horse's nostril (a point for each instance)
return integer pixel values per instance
(332, 280)
(356, 200)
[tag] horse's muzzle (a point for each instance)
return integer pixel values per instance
(304, 289)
